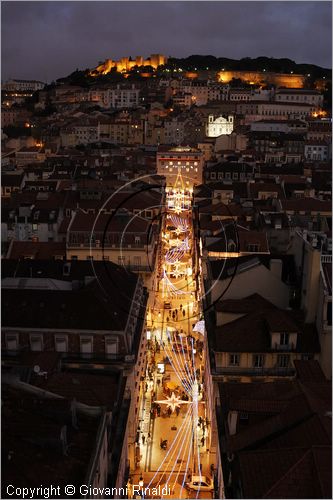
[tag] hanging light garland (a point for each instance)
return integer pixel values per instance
(171, 287)
(181, 224)
(176, 254)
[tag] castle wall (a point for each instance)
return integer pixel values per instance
(278, 79)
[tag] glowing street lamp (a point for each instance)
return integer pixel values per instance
(161, 368)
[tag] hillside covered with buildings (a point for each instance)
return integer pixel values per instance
(166, 244)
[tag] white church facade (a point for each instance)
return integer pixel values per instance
(219, 126)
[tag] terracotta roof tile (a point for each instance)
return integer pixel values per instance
(245, 305)
(38, 250)
(261, 469)
(309, 371)
(303, 480)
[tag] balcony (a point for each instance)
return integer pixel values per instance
(73, 244)
(251, 371)
(284, 347)
(139, 268)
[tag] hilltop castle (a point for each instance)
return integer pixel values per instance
(126, 63)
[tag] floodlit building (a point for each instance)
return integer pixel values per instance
(23, 85)
(127, 63)
(300, 95)
(219, 126)
(187, 160)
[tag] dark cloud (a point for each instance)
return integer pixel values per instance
(47, 40)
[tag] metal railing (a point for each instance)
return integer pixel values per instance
(72, 357)
(285, 347)
(238, 370)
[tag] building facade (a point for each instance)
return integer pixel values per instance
(187, 160)
(219, 125)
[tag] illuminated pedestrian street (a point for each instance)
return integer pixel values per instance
(174, 432)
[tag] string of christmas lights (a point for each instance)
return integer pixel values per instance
(184, 381)
(172, 288)
(179, 223)
(184, 424)
(175, 254)
(188, 430)
(184, 369)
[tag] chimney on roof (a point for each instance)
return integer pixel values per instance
(275, 265)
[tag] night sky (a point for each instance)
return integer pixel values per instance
(48, 40)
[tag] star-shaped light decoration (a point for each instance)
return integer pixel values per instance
(200, 327)
(176, 271)
(177, 209)
(173, 402)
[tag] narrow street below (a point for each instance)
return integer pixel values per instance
(174, 432)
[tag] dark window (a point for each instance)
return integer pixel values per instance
(258, 360)
(284, 338)
(283, 360)
(307, 357)
(244, 416)
(234, 359)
